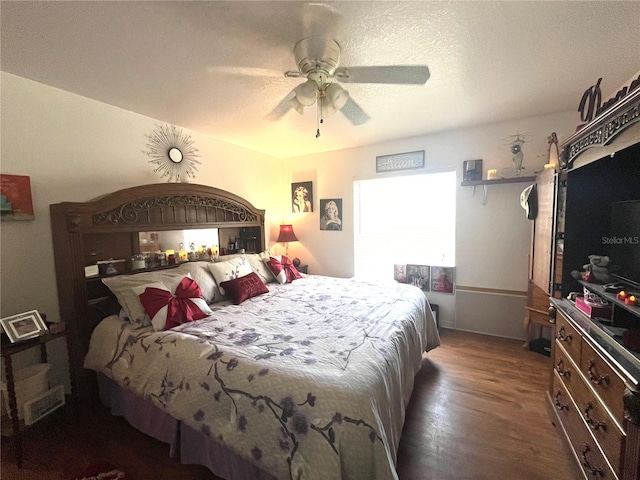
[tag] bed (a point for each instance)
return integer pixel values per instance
(308, 379)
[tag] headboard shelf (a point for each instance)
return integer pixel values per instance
(108, 228)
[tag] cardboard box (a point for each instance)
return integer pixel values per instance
(603, 311)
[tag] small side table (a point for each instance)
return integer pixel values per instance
(7, 351)
(303, 268)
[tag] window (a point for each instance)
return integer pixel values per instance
(408, 219)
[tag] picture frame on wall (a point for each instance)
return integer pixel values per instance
(418, 275)
(24, 326)
(302, 197)
(442, 279)
(331, 214)
(15, 198)
(400, 273)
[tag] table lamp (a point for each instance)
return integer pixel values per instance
(286, 235)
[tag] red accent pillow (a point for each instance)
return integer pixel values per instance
(243, 288)
(169, 310)
(283, 270)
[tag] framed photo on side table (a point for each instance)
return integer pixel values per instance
(24, 326)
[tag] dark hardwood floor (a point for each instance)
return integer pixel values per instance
(477, 412)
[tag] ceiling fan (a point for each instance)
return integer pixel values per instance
(318, 60)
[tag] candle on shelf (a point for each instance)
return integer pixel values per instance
(622, 295)
(182, 256)
(491, 174)
(631, 300)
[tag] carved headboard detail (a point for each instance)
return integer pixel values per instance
(108, 227)
(176, 208)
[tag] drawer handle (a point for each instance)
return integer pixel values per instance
(590, 421)
(585, 463)
(561, 370)
(565, 337)
(594, 378)
(559, 404)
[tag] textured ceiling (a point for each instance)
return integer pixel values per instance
(217, 67)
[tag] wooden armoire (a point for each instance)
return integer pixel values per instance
(594, 391)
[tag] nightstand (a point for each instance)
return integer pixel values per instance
(15, 428)
(303, 268)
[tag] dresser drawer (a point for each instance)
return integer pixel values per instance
(565, 368)
(597, 418)
(569, 338)
(604, 380)
(591, 459)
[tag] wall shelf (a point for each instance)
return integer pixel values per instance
(497, 181)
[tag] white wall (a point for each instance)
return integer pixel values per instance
(76, 149)
(492, 240)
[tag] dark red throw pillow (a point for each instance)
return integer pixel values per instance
(243, 288)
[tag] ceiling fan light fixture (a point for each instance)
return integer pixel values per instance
(336, 95)
(306, 92)
(326, 107)
(297, 106)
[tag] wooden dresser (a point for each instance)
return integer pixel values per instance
(594, 392)
(594, 396)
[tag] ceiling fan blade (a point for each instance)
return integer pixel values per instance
(354, 113)
(280, 110)
(392, 74)
(319, 20)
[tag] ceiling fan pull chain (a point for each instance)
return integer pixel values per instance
(318, 112)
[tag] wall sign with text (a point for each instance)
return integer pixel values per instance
(400, 161)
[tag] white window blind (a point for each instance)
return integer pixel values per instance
(403, 220)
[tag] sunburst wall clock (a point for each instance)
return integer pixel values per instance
(173, 152)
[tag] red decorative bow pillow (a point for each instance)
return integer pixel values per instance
(168, 310)
(283, 269)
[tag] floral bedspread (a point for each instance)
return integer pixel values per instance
(308, 381)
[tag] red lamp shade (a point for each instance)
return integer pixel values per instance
(286, 234)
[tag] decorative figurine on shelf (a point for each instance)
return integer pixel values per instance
(596, 271)
(517, 157)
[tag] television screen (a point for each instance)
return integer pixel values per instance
(624, 241)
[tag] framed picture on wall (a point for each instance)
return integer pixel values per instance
(400, 273)
(442, 279)
(15, 197)
(302, 197)
(418, 275)
(331, 214)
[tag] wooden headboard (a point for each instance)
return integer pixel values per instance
(108, 228)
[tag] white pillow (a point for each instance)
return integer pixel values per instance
(122, 287)
(202, 276)
(230, 269)
(256, 260)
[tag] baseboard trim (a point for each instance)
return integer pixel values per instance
(493, 291)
